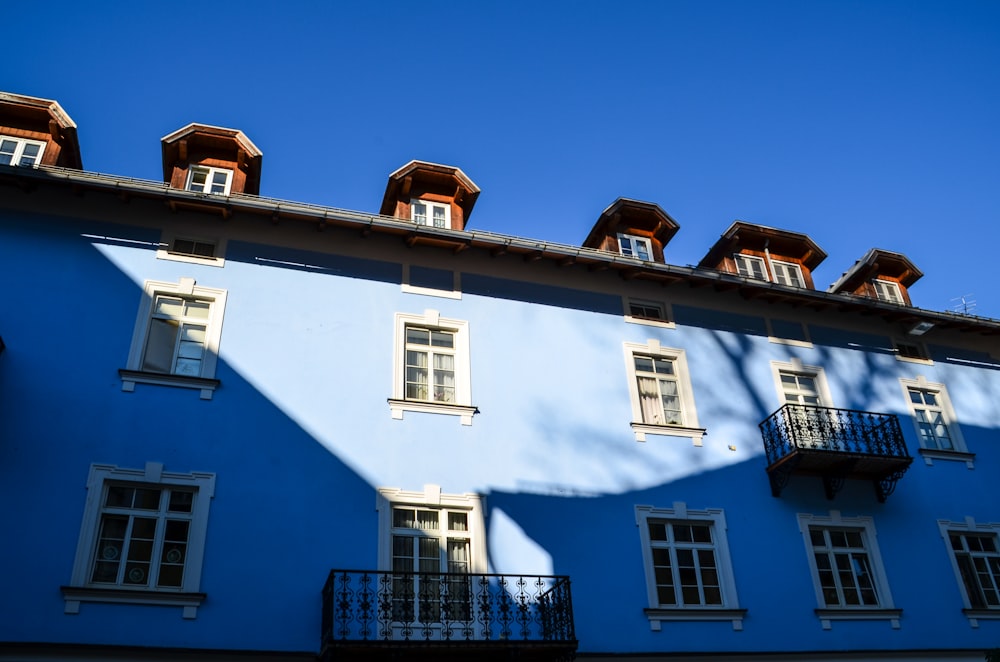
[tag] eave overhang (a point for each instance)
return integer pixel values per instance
(446, 177)
(878, 262)
(758, 237)
(530, 250)
(627, 213)
(45, 115)
(216, 139)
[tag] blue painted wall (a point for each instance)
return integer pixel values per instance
(300, 437)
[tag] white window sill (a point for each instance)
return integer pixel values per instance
(642, 429)
(846, 614)
(975, 615)
(466, 412)
(651, 321)
(656, 616)
(74, 595)
(931, 454)
(132, 377)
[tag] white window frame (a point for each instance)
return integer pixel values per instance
(462, 407)
(788, 274)
(924, 357)
(665, 314)
(797, 368)
(186, 289)
(167, 249)
(454, 293)
(81, 589)
(428, 218)
(743, 262)
(210, 172)
(779, 340)
(729, 610)
(969, 526)
(18, 154)
(689, 427)
(888, 291)
(958, 452)
(885, 609)
(630, 245)
(431, 498)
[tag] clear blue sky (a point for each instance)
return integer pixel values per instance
(861, 123)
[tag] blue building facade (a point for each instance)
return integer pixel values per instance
(233, 427)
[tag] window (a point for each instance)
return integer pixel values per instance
(688, 571)
(142, 538)
(799, 388)
(647, 311)
(632, 246)
(176, 337)
(431, 366)
(429, 540)
(787, 273)
(20, 151)
(974, 550)
(750, 266)
(887, 290)
(203, 179)
(934, 421)
(847, 569)
(192, 248)
(435, 214)
(911, 351)
(660, 390)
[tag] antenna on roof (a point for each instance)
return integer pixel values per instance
(966, 304)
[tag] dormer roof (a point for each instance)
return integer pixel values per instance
(751, 237)
(432, 181)
(636, 218)
(214, 146)
(44, 120)
(878, 264)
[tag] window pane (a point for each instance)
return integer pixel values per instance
(180, 501)
(197, 309)
(418, 336)
(147, 499)
(458, 521)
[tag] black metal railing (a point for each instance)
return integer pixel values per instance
(812, 428)
(384, 606)
(835, 444)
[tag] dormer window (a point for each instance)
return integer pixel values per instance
(787, 273)
(630, 245)
(20, 151)
(202, 179)
(888, 291)
(435, 214)
(750, 266)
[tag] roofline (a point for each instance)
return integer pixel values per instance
(236, 134)
(866, 261)
(48, 104)
(498, 244)
(437, 167)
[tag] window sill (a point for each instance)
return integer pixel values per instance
(74, 595)
(974, 615)
(656, 616)
(642, 429)
(827, 615)
(132, 377)
(931, 454)
(651, 321)
(466, 412)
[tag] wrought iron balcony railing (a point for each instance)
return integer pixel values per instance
(835, 444)
(367, 609)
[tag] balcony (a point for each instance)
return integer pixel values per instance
(835, 444)
(383, 615)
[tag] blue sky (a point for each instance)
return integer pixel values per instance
(861, 123)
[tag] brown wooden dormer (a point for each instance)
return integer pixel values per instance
(430, 194)
(211, 159)
(881, 275)
(763, 253)
(633, 228)
(37, 131)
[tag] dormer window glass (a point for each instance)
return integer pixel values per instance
(435, 214)
(632, 246)
(202, 179)
(888, 291)
(20, 151)
(787, 273)
(750, 266)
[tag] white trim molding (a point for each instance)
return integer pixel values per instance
(200, 489)
(685, 417)
(986, 547)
